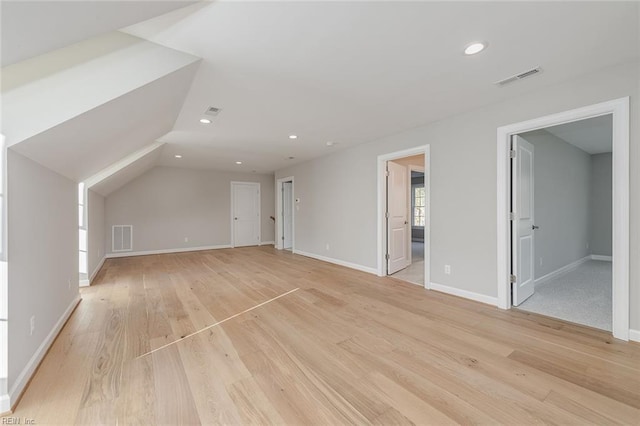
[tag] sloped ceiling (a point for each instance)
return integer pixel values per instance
(352, 72)
(86, 144)
(51, 89)
(80, 109)
(129, 170)
(32, 28)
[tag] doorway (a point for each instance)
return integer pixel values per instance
(521, 264)
(285, 214)
(561, 230)
(245, 214)
(403, 243)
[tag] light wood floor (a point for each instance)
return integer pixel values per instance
(346, 348)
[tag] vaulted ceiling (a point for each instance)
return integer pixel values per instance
(79, 109)
(340, 72)
(32, 28)
(351, 72)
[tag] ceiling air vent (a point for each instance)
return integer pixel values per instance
(212, 111)
(520, 76)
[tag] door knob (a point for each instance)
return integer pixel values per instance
(534, 227)
(235, 218)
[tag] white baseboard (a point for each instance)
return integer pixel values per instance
(85, 283)
(634, 335)
(95, 271)
(563, 270)
(23, 379)
(338, 262)
(164, 251)
(267, 243)
(466, 294)
(601, 257)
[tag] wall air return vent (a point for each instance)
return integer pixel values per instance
(212, 111)
(520, 76)
(121, 238)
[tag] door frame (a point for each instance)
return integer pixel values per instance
(257, 185)
(619, 108)
(382, 202)
(420, 169)
(279, 225)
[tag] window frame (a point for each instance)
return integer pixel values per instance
(414, 206)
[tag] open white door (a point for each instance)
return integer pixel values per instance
(522, 225)
(397, 217)
(287, 215)
(245, 209)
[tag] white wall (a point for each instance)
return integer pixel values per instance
(562, 192)
(96, 231)
(167, 204)
(43, 258)
(338, 192)
(601, 204)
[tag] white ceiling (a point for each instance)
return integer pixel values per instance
(127, 172)
(351, 72)
(31, 28)
(346, 72)
(594, 135)
(90, 142)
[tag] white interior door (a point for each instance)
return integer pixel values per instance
(245, 209)
(287, 215)
(397, 217)
(522, 225)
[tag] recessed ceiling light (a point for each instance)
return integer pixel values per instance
(330, 143)
(293, 137)
(238, 162)
(205, 121)
(178, 156)
(474, 48)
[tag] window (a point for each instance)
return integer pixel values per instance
(82, 234)
(418, 199)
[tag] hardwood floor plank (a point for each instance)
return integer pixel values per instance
(104, 383)
(145, 347)
(583, 411)
(139, 393)
(577, 375)
(174, 403)
(444, 400)
(210, 395)
(410, 405)
(252, 404)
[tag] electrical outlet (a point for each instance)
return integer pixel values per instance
(33, 325)
(447, 269)
(186, 239)
(540, 261)
(327, 246)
